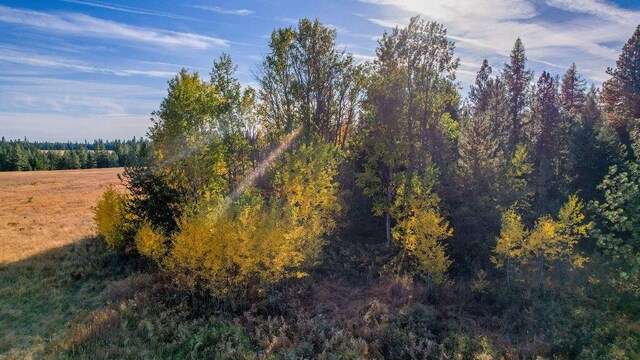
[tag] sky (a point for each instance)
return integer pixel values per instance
(72, 70)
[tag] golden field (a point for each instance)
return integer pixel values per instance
(53, 269)
(41, 210)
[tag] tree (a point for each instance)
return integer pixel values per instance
(593, 148)
(479, 93)
(550, 241)
(545, 114)
(111, 218)
(517, 79)
(618, 226)
(421, 229)
(511, 243)
(621, 93)
(229, 89)
(186, 137)
(262, 237)
(572, 91)
(385, 144)
(479, 179)
(408, 110)
(306, 81)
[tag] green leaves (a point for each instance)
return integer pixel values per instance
(618, 230)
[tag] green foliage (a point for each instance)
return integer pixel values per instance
(244, 190)
(25, 156)
(307, 81)
(621, 93)
(618, 226)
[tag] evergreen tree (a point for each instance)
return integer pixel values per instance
(479, 178)
(545, 114)
(479, 93)
(518, 80)
(572, 91)
(621, 93)
(618, 229)
(593, 148)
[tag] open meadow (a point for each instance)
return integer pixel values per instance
(42, 210)
(52, 268)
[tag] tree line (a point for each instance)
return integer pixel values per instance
(23, 155)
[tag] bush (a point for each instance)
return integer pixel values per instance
(149, 242)
(246, 246)
(110, 217)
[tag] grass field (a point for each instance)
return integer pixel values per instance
(52, 269)
(42, 210)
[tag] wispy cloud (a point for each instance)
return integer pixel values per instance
(363, 57)
(9, 55)
(56, 127)
(219, 10)
(127, 9)
(52, 108)
(599, 9)
(591, 35)
(84, 25)
(287, 20)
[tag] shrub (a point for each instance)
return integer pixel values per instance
(150, 242)
(246, 246)
(110, 217)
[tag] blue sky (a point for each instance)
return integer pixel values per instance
(85, 69)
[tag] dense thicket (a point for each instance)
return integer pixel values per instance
(524, 196)
(22, 155)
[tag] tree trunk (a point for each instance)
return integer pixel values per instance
(508, 272)
(388, 214)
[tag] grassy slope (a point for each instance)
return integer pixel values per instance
(41, 294)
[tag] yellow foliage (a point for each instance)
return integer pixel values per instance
(149, 242)
(550, 239)
(421, 230)
(510, 244)
(110, 217)
(254, 242)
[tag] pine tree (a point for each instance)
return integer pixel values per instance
(545, 114)
(479, 178)
(572, 98)
(572, 91)
(593, 148)
(621, 93)
(479, 92)
(517, 79)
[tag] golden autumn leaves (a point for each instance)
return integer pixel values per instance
(250, 245)
(549, 240)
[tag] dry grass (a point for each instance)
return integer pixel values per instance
(41, 210)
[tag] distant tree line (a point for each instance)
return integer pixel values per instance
(23, 155)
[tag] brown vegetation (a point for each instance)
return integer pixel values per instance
(41, 210)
